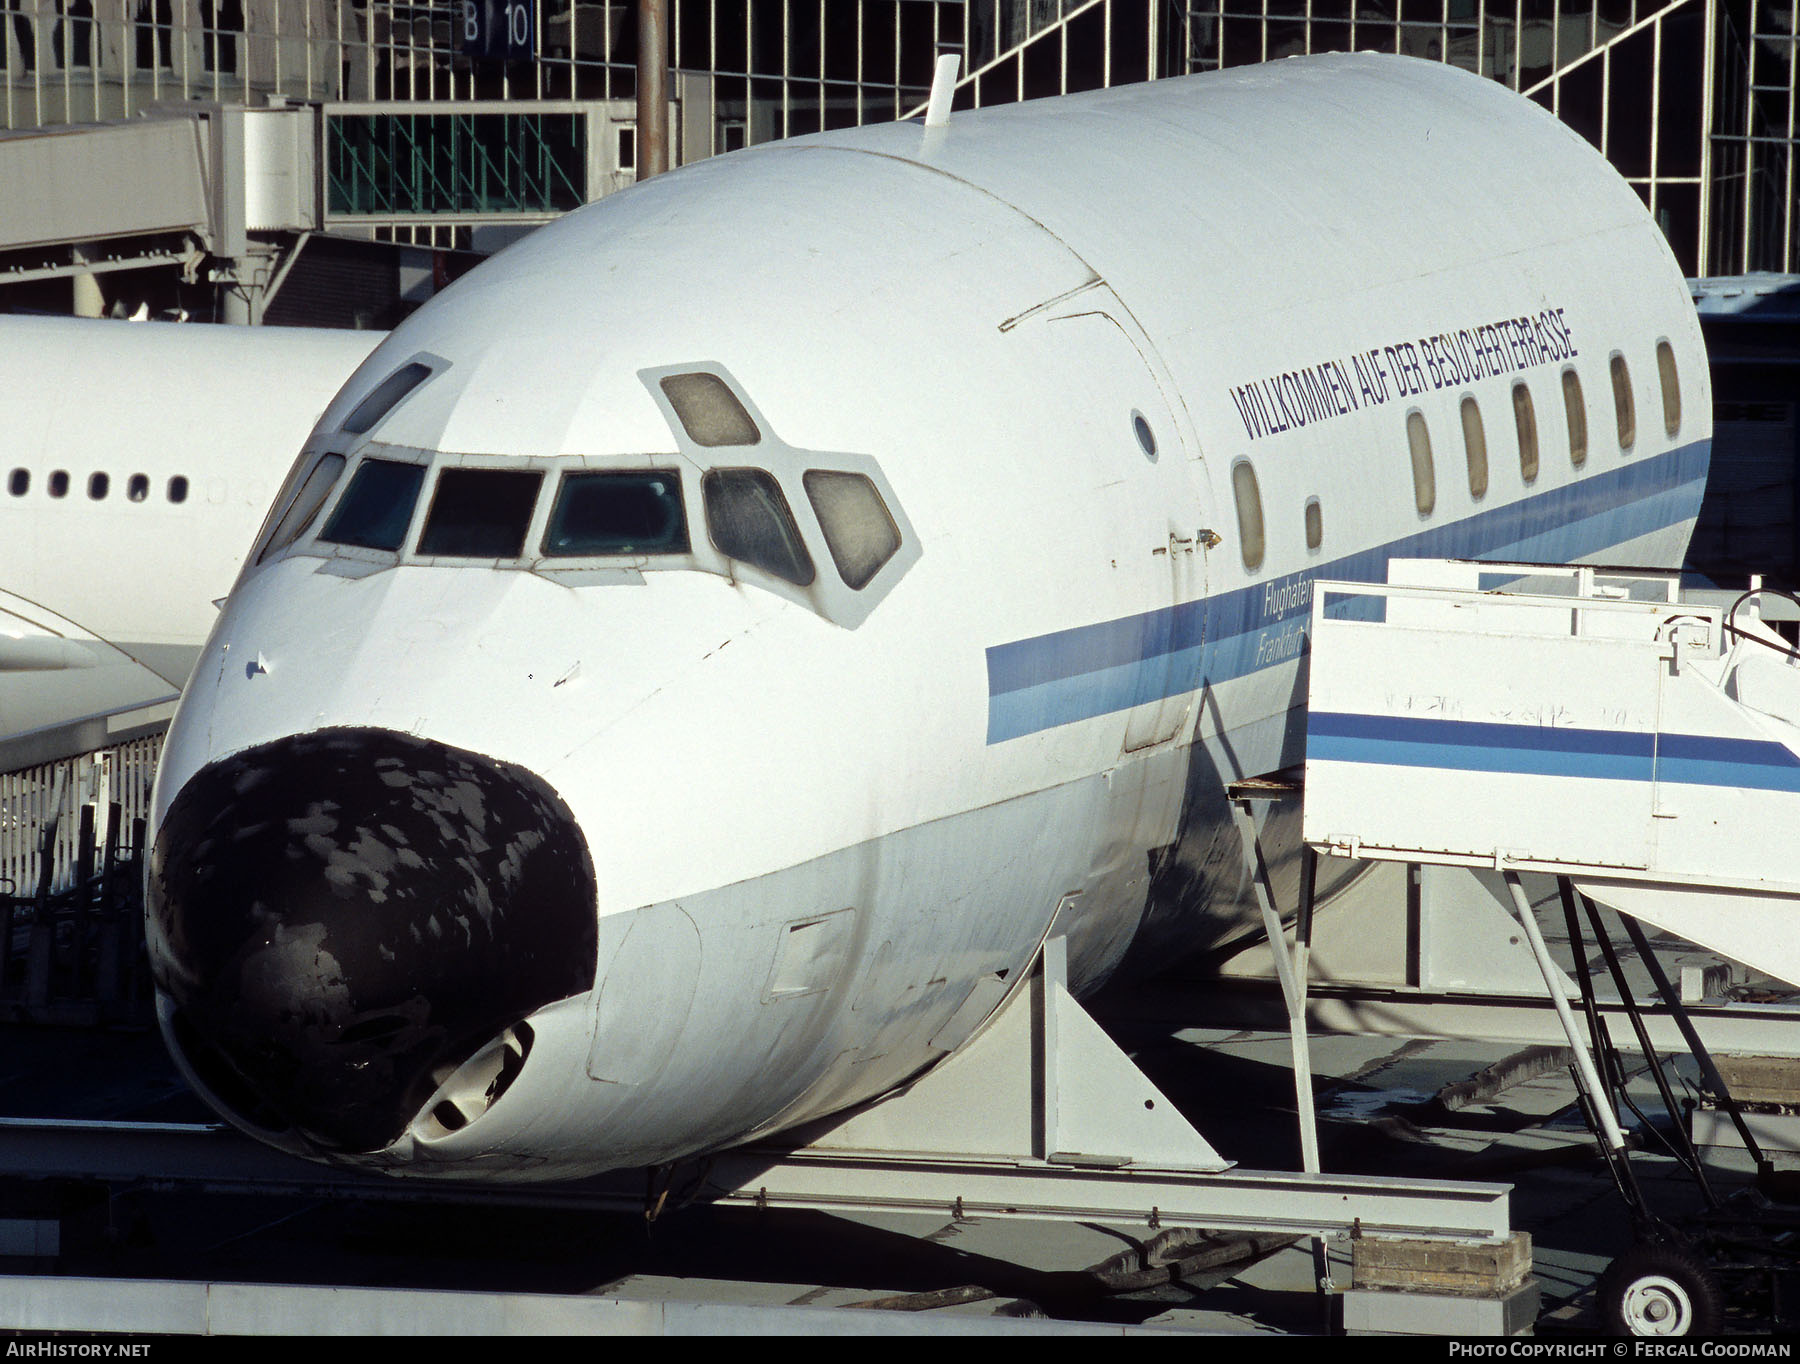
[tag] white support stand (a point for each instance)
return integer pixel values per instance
(1042, 1116)
(1041, 1081)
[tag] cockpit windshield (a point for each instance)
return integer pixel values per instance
(481, 513)
(617, 513)
(377, 507)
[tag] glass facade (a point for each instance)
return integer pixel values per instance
(454, 164)
(1693, 100)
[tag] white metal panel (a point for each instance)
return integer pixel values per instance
(92, 183)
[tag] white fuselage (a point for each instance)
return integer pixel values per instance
(137, 462)
(812, 831)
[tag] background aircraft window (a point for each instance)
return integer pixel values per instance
(377, 507)
(1249, 514)
(709, 411)
(623, 513)
(319, 482)
(1475, 447)
(1575, 408)
(59, 483)
(1623, 410)
(1525, 419)
(20, 482)
(480, 513)
(858, 530)
(138, 488)
(1418, 441)
(178, 489)
(97, 486)
(385, 397)
(1315, 524)
(748, 519)
(1671, 387)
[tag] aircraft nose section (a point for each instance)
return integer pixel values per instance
(341, 919)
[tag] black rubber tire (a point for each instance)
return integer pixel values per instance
(1658, 1289)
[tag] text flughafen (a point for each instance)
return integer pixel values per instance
(1332, 387)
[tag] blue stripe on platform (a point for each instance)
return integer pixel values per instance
(1551, 751)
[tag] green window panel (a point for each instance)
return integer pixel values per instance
(417, 165)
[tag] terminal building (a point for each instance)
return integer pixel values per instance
(429, 122)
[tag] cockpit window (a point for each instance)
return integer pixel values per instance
(385, 397)
(749, 520)
(858, 530)
(617, 513)
(709, 411)
(300, 513)
(377, 507)
(481, 513)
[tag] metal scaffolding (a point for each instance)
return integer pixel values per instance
(1693, 100)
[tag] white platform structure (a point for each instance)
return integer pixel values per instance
(1571, 721)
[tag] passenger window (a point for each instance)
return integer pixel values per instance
(480, 513)
(59, 483)
(1315, 524)
(1623, 410)
(617, 513)
(1671, 387)
(1575, 408)
(1418, 441)
(319, 482)
(385, 397)
(1475, 447)
(97, 486)
(138, 488)
(178, 489)
(858, 530)
(1251, 540)
(749, 519)
(20, 482)
(1525, 420)
(709, 411)
(377, 507)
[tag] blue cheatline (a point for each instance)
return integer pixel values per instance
(1068, 675)
(1550, 751)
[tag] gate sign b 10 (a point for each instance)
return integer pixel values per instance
(500, 30)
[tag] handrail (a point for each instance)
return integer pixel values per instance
(1731, 616)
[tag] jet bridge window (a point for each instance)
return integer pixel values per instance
(377, 507)
(709, 411)
(1251, 542)
(749, 520)
(1315, 524)
(858, 530)
(1525, 420)
(481, 513)
(617, 513)
(320, 480)
(1671, 387)
(1418, 442)
(1575, 408)
(1624, 412)
(1475, 447)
